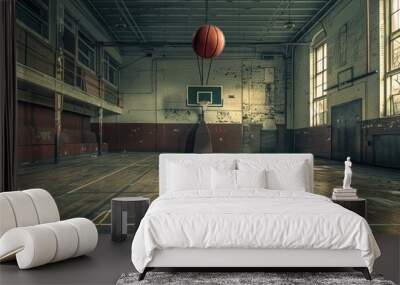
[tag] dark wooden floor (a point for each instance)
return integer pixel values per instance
(84, 186)
(102, 266)
(110, 259)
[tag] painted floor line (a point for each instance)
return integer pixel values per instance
(99, 215)
(105, 176)
(106, 214)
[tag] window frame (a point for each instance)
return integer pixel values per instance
(72, 29)
(25, 26)
(72, 56)
(391, 16)
(91, 48)
(324, 75)
(391, 71)
(109, 61)
(78, 64)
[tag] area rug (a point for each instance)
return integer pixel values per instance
(244, 278)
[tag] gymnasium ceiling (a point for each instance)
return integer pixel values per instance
(172, 22)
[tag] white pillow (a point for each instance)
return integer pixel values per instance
(281, 175)
(223, 179)
(251, 179)
(183, 177)
(292, 178)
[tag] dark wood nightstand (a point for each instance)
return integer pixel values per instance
(120, 206)
(358, 206)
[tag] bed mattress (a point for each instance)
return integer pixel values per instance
(250, 219)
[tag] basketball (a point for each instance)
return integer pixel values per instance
(208, 41)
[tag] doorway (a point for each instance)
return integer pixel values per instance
(346, 131)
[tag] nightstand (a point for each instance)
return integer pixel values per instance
(358, 206)
(120, 206)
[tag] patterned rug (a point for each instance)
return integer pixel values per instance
(243, 278)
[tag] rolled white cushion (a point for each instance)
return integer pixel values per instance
(87, 235)
(33, 246)
(67, 240)
(45, 205)
(23, 208)
(7, 218)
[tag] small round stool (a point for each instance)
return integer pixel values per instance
(120, 206)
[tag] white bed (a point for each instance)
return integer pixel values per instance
(280, 225)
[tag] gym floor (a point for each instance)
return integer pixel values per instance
(84, 186)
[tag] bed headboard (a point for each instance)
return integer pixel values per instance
(164, 159)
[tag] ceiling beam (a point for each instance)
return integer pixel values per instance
(315, 19)
(130, 20)
(188, 44)
(90, 7)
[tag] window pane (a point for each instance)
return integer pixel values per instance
(69, 70)
(395, 21)
(86, 53)
(395, 84)
(112, 76)
(395, 5)
(395, 94)
(35, 15)
(320, 65)
(320, 53)
(321, 112)
(110, 69)
(395, 54)
(69, 41)
(319, 79)
(396, 104)
(318, 92)
(84, 60)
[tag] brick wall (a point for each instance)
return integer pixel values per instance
(150, 137)
(317, 140)
(35, 134)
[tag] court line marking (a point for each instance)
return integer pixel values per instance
(98, 216)
(106, 214)
(108, 175)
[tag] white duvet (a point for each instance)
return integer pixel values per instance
(252, 218)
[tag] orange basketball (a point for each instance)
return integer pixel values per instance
(208, 41)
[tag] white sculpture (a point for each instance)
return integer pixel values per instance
(347, 174)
